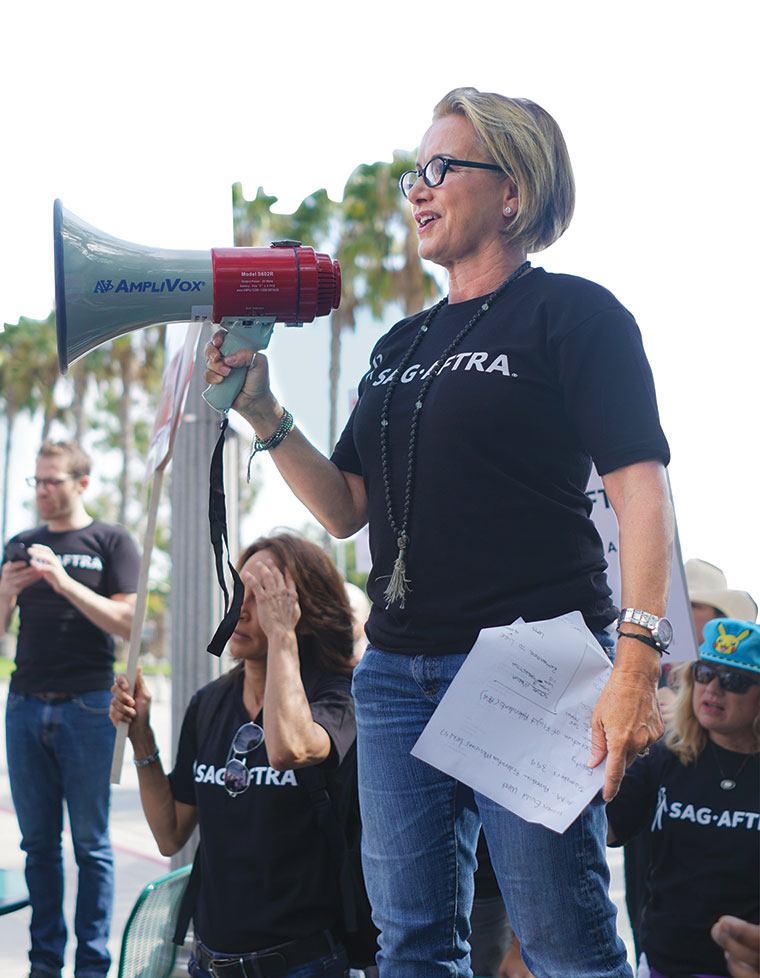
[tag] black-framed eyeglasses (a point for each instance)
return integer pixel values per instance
(32, 481)
(434, 172)
(731, 682)
(236, 772)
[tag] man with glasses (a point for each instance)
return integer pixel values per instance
(73, 580)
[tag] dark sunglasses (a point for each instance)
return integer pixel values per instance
(246, 739)
(731, 682)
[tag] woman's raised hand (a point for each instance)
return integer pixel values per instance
(276, 598)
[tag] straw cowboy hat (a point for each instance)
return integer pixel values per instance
(707, 585)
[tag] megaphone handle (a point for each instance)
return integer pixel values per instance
(220, 396)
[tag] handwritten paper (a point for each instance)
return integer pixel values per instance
(515, 722)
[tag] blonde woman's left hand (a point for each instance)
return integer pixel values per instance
(625, 722)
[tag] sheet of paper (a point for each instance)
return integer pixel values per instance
(515, 723)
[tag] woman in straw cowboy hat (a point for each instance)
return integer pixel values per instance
(711, 597)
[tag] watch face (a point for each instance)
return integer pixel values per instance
(664, 632)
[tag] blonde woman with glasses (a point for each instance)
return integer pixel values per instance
(468, 454)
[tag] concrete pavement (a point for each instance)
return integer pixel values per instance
(136, 859)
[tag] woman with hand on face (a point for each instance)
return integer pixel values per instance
(468, 453)
(697, 794)
(268, 895)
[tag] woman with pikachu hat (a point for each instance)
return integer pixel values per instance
(697, 793)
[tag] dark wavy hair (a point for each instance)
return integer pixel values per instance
(324, 630)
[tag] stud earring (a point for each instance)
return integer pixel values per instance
(507, 210)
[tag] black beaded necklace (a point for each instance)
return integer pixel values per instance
(399, 584)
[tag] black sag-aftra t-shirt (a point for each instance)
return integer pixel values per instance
(552, 376)
(59, 649)
(266, 874)
(705, 845)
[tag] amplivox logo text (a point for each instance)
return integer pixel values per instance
(165, 285)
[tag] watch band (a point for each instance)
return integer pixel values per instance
(660, 629)
(646, 639)
(635, 616)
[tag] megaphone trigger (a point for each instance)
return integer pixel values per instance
(242, 334)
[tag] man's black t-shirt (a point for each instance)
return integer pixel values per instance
(265, 870)
(705, 845)
(59, 649)
(552, 376)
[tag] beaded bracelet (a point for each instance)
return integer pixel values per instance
(267, 444)
(646, 639)
(150, 759)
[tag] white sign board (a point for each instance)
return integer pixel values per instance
(178, 368)
(684, 645)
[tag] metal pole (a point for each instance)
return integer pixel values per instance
(195, 597)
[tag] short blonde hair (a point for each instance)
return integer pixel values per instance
(686, 736)
(526, 142)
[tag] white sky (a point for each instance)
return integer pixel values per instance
(140, 116)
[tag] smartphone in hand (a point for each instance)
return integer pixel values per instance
(16, 550)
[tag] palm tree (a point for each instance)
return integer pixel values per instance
(28, 379)
(255, 225)
(87, 378)
(378, 256)
(17, 397)
(129, 371)
(125, 373)
(45, 375)
(372, 234)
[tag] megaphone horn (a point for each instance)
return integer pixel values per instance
(105, 287)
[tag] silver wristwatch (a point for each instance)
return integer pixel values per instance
(660, 628)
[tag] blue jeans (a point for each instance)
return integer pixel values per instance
(491, 934)
(420, 830)
(333, 965)
(63, 750)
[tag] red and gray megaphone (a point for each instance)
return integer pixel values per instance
(105, 287)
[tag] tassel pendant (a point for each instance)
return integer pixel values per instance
(398, 586)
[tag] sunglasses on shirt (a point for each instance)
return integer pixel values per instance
(731, 682)
(236, 771)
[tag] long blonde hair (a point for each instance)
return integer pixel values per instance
(686, 736)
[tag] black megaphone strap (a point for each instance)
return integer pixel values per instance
(217, 517)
